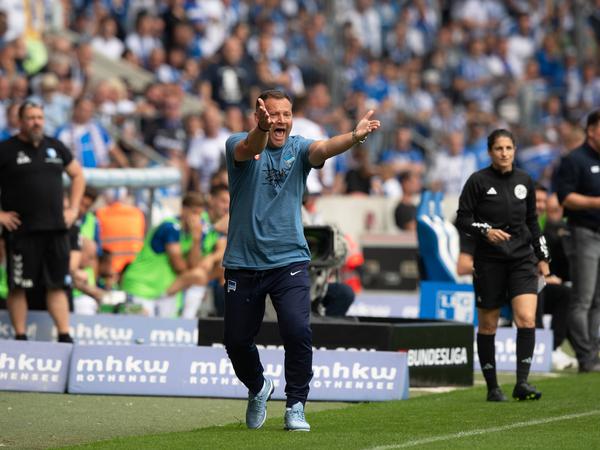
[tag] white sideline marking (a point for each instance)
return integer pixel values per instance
(461, 434)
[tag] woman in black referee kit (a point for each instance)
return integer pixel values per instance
(497, 207)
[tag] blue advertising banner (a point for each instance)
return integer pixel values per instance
(109, 329)
(449, 301)
(39, 326)
(122, 329)
(207, 372)
(506, 350)
(384, 304)
(34, 366)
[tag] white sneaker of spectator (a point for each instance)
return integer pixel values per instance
(562, 361)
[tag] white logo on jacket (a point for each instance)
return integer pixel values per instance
(491, 191)
(22, 158)
(52, 156)
(520, 191)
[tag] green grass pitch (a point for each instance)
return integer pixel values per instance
(567, 416)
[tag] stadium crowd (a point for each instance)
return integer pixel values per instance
(440, 74)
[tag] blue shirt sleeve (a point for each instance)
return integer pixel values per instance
(230, 144)
(166, 233)
(303, 147)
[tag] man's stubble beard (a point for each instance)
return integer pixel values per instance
(35, 137)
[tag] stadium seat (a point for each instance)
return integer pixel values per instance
(438, 240)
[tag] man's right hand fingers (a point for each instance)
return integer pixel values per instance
(262, 109)
(10, 220)
(12, 225)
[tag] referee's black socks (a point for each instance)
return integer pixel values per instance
(525, 346)
(487, 358)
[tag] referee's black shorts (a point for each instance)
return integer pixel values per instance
(38, 258)
(496, 283)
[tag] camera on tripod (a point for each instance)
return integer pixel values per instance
(328, 250)
(327, 246)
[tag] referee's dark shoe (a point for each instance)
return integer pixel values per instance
(496, 395)
(525, 391)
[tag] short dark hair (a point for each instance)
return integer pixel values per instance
(406, 175)
(498, 133)
(79, 100)
(218, 188)
(28, 104)
(592, 119)
(193, 200)
(300, 103)
(272, 93)
(91, 192)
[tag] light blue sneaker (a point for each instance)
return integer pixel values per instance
(256, 411)
(294, 418)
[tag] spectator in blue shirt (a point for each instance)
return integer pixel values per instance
(89, 141)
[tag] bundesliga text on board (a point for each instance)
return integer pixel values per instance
(441, 356)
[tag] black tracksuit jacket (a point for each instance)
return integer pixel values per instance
(506, 201)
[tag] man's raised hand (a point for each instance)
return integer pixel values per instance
(365, 126)
(264, 119)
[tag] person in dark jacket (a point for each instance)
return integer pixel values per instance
(578, 189)
(34, 219)
(497, 207)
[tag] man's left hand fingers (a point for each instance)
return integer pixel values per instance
(369, 114)
(373, 125)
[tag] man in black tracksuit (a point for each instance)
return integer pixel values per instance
(34, 220)
(497, 207)
(578, 189)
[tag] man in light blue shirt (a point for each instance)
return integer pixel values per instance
(267, 252)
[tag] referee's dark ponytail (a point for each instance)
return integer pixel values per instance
(498, 133)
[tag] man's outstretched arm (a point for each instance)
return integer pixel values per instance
(320, 151)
